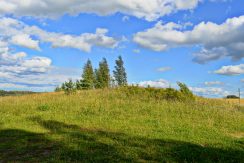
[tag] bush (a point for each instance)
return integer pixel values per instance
(69, 87)
(232, 97)
(183, 94)
(43, 107)
(171, 94)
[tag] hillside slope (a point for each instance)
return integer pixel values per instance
(107, 125)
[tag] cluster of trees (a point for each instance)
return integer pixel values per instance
(97, 78)
(232, 97)
(14, 93)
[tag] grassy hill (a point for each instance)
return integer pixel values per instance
(112, 126)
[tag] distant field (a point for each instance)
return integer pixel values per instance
(109, 126)
(234, 101)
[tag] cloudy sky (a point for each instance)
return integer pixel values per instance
(198, 42)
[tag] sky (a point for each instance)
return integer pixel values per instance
(198, 42)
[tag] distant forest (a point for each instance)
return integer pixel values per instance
(14, 93)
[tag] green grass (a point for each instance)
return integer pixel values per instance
(109, 126)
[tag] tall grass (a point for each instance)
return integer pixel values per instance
(118, 126)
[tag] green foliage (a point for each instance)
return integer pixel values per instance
(120, 73)
(15, 93)
(58, 89)
(102, 75)
(82, 85)
(232, 97)
(69, 87)
(99, 78)
(88, 77)
(170, 94)
(44, 107)
(186, 93)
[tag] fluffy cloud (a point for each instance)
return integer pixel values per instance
(41, 82)
(217, 40)
(163, 69)
(147, 9)
(213, 83)
(17, 64)
(209, 91)
(83, 42)
(17, 67)
(231, 70)
(161, 83)
(20, 72)
(25, 41)
(10, 86)
(19, 33)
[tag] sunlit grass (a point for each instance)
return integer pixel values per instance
(106, 125)
(235, 101)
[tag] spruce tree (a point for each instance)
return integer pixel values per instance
(98, 78)
(102, 75)
(69, 87)
(88, 77)
(120, 73)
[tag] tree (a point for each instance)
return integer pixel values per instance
(98, 78)
(232, 97)
(185, 91)
(120, 73)
(69, 87)
(58, 89)
(102, 75)
(88, 77)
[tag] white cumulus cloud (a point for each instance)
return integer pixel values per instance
(210, 83)
(25, 41)
(161, 83)
(231, 70)
(163, 69)
(146, 9)
(19, 33)
(217, 40)
(209, 91)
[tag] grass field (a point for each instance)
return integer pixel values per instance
(235, 101)
(107, 126)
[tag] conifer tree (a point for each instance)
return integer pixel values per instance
(88, 77)
(98, 79)
(102, 75)
(69, 87)
(120, 73)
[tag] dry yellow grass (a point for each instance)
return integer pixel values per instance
(234, 101)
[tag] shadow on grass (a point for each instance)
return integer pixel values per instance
(70, 143)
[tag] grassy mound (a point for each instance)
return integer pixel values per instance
(119, 126)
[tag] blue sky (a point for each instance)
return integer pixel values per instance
(198, 42)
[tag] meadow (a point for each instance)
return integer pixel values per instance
(112, 126)
(235, 101)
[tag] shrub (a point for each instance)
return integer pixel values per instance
(232, 97)
(43, 107)
(58, 89)
(185, 92)
(171, 94)
(69, 87)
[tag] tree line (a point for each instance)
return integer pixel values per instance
(98, 78)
